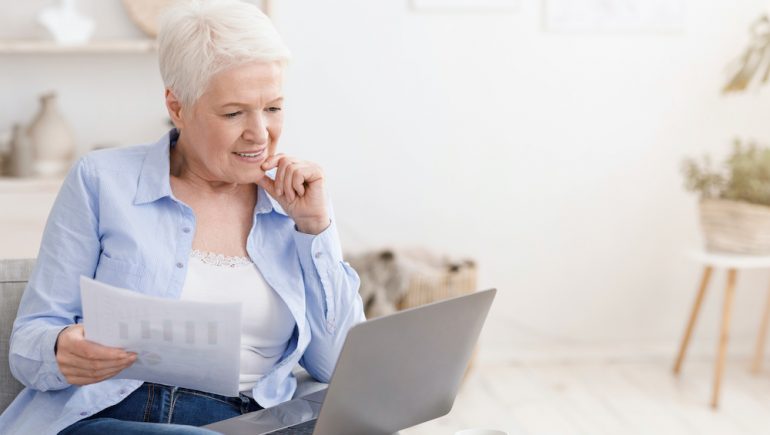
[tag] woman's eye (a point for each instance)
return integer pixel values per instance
(233, 114)
(273, 109)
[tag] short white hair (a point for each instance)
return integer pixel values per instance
(199, 38)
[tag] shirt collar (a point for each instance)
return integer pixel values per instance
(265, 202)
(154, 181)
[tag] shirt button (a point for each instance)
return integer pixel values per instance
(84, 413)
(180, 265)
(185, 230)
(318, 255)
(122, 392)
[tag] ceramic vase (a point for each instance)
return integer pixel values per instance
(20, 158)
(66, 24)
(52, 139)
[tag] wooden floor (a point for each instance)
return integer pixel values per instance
(615, 398)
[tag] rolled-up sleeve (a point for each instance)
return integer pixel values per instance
(333, 302)
(69, 248)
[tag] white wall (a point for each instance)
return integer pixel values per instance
(553, 159)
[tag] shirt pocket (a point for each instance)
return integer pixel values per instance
(119, 273)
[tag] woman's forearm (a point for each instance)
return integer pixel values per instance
(332, 299)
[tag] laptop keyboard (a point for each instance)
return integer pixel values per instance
(305, 428)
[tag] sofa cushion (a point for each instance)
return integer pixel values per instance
(13, 279)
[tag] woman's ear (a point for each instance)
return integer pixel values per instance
(174, 109)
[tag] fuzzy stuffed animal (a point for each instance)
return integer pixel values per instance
(383, 281)
(386, 275)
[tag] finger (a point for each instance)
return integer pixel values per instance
(311, 173)
(299, 180)
(277, 179)
(86, 380)
(84, 372)
(78, 363)
(269, 185)
(72, 340)
(93, 374)
(78, 380)
(94, 351)
(88, 375)
(272, 161)
(280, 174)
(298, 183)
(289, 174)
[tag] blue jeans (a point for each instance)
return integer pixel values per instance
(161, 409)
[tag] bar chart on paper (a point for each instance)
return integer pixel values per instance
(183, 343)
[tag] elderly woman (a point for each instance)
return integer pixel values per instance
(197, 215)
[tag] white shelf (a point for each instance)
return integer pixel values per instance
(30, 185)
(26, 205)
(94, 47)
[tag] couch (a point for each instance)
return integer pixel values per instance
(13, 279)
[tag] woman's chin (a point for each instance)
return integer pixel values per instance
(250, 177)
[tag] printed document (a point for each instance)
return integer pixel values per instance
(183, 343)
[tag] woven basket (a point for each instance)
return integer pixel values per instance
(145, 13)
(735, 226)
(423, 289)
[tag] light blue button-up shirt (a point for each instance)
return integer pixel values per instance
(116, 219)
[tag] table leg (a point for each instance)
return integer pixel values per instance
(722, 346)
(693, 317)
(762, 338)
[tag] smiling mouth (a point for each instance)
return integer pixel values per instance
(250, 155)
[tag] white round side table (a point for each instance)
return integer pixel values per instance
(733, 263)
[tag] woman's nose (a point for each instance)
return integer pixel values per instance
(256, 130)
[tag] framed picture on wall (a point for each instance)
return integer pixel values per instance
(464, 5)
(614, 15)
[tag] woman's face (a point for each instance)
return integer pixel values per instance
(235, 125)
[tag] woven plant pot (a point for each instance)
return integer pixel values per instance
(735, 226)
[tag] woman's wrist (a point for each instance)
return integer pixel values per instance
(313, 226)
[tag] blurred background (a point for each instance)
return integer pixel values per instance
(540, 139)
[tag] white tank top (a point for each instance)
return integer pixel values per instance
(267, 323)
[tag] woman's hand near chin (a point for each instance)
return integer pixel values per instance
(84, 362)
(299, 189)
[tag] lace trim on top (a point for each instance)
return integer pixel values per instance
(220, 260)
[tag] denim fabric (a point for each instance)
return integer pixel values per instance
(104, 426)
(156, 408)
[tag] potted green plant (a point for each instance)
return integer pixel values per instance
(734, 199)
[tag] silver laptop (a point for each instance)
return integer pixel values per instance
(393, 372)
